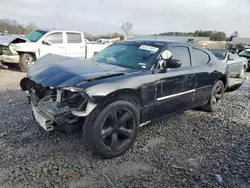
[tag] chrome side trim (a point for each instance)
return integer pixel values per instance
(205, 87)
(144, 123)
(175, 95)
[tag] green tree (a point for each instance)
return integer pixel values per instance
(218, 36)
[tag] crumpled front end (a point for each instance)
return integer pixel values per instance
(9, 46)
(9, 54)
(57, 107)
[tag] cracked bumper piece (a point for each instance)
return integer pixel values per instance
(9, 58)
(48, 115)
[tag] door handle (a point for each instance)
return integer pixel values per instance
(61, 47)
(82, 46)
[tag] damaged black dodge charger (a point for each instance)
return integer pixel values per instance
(125, 86)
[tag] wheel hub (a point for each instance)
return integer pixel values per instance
(118, 128)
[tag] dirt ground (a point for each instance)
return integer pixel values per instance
(192, 149)
(9, 79)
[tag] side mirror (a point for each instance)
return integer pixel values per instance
(173, 63)
(45, 42)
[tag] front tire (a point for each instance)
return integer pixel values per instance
(216, 97)
(25, 62)
(111, 130)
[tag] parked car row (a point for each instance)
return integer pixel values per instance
(237, 65)
(246, 54)
(125, 86)
(26, 50)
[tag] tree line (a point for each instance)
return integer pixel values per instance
(12, 26)
(212, 35)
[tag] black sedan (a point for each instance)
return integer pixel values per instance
(125, 86)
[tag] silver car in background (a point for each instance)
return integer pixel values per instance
(237, 65)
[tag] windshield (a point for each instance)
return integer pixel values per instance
(134, 56)
(220, 54)
(245, 52)
(34, 36)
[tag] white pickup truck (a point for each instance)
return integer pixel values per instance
(25, 50)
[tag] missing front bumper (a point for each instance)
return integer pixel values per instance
(9, 58)
(43, 121)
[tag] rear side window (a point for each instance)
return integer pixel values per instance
(55, 38)
(199, 57)
(181, 53)
(74, 38)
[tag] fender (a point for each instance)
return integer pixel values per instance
(27, 47)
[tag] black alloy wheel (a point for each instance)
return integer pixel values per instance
(117, 129)
(111, 129)
(216, 97)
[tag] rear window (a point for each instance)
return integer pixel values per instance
(220, 54)
(74, 38)
(245, 52)
(199, 57)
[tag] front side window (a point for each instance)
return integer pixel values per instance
(131, 55)
(55, 38)
(74, 38)
(199, 57)
(34, 36)
(181, 53)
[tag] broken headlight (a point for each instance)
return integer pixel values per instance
(73, 99)
(5, 50)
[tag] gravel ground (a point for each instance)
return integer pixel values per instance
(193, 149)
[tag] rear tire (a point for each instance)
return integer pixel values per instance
(110, 130)
(216, 97)
(25, 62)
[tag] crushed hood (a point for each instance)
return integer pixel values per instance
(5, 40)
(60, 71)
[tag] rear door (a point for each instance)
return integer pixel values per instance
(57, 44)
(205, 74)
(176, 87)
(75, 44)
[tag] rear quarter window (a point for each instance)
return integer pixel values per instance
(199, 57)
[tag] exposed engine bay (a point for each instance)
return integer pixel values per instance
(57, 106)
(9, 46)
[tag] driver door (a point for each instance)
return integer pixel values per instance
(57, 46)
(175, 87)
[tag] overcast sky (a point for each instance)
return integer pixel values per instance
(148, 16)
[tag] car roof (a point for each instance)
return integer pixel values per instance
(161, 42)
(164, 42)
